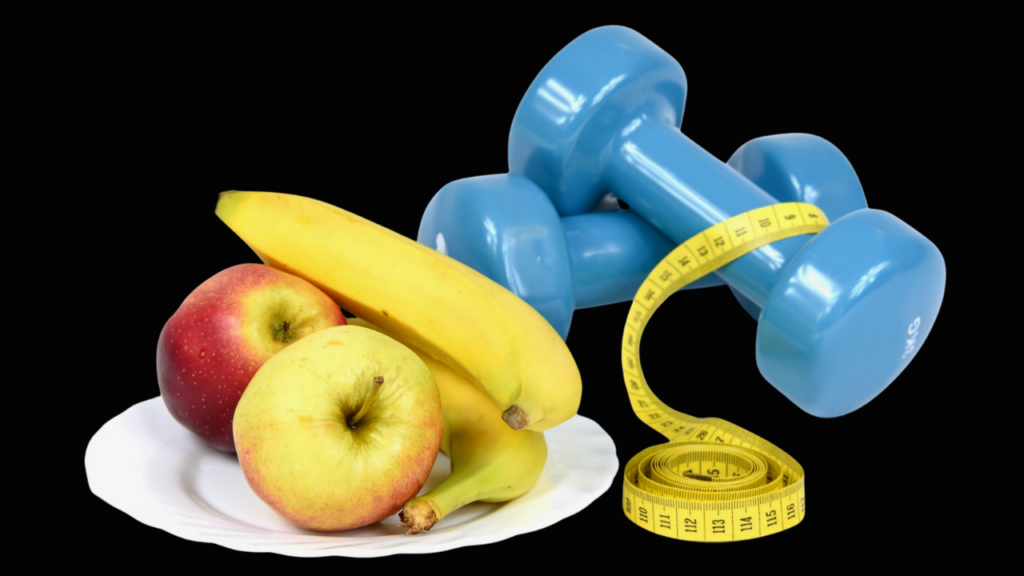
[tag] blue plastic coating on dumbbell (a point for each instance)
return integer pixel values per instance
(504, 227)
(843, 312)
(799, 168)
(611, 251)
(583, 236)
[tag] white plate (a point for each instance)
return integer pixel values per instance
(143, 463)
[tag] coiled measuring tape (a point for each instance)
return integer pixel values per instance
(714, 481)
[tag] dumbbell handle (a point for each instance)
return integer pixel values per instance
(681, 190)
(610, 255)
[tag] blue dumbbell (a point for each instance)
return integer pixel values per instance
(505, 227)
(843, 312)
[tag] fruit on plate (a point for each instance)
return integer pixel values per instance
(223, 332)
(490, 461)
(431, 301)
(340, 429)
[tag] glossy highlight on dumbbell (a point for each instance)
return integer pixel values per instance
(837, 308)
(505, 227)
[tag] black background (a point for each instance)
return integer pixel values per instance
(375, 120)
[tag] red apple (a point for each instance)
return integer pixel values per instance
(223, 332)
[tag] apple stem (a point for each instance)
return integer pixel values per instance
(281, 331)
(378, 381)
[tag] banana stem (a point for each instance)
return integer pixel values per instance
(466, 484)
(378, 381)
(515, 417)
(418, 516)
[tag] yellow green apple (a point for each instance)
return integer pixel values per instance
(340, 429)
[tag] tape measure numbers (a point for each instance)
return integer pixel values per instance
(714, 481)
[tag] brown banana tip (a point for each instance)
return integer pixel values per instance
(417, 517)
(515, 417)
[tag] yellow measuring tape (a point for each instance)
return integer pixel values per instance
(714, 481)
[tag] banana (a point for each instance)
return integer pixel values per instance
(421, 296)
(490, 461)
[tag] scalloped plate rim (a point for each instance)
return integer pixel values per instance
(326, 545)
